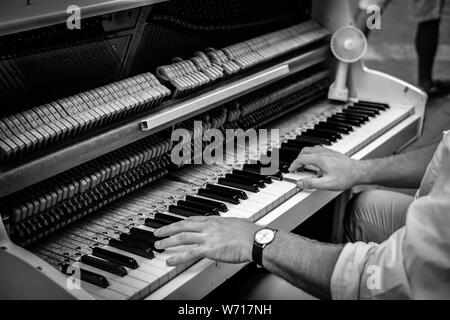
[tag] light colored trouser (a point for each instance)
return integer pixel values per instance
(372, 216)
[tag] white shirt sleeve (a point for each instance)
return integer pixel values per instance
(414, 263)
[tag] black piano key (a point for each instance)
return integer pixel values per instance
(222, 207)
(210, 210)
(212, 194)
(286, 154)
(185, 211)
(132, 247)
(374, 110)
(243, 173)
(294, 145)
(380, 106)
(165, 218)
(316, 141)
(260, 183)
(285, 165)
(104, 265)
(335, 128)
(334, 134)
(246, 182)
(349, 115)
(366, 112)
(145, 234)
(353, 115)
(319, 134)
(154, 224)
(338, 124)
(93, 278)
(343, 119)
(240, 194)
(115, 257)
(140, 241)
(284, 160)
(253, 166)
(238, 184)
(257, 170)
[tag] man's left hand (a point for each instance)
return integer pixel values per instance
(227, 240)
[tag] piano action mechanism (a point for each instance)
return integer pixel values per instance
(87, 116)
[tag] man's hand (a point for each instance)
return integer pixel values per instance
(221, 239)
(337, 171)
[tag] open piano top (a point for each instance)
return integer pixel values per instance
(85, 167)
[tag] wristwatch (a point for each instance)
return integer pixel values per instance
(262, 239)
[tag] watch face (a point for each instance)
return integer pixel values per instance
(264, 236)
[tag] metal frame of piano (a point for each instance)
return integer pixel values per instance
(21, 271)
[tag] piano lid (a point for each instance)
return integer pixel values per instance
(22, 15)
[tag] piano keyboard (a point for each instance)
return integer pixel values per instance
(346, 130)
(115, 249)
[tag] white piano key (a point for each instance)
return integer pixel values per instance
(119, 287)
(103, 293)
(137, 284)
(297, 176)
(368, 132)
(155, 267)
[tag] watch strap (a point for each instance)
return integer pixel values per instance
(257, 253)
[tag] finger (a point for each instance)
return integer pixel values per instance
(198, 219)
(187, 225)
(181, 239)
(303, 160)
(310, 150)
(186, 256)
(316, 150)
(314, 183)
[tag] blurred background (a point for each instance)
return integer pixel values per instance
(392, 50)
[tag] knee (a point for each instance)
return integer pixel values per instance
(361, 203)
(360, 214)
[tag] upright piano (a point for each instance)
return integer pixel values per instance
(87, 116)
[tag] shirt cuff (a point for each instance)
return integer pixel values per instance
(347, 274)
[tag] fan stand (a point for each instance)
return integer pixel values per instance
(338, 90)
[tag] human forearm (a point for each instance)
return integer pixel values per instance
(305, 263)
(400, 171)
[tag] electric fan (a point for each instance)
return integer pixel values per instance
(348, 45)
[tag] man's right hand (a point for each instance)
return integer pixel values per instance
(337, 171)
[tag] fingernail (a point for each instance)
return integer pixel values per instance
(157, 243)
(156, 232)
